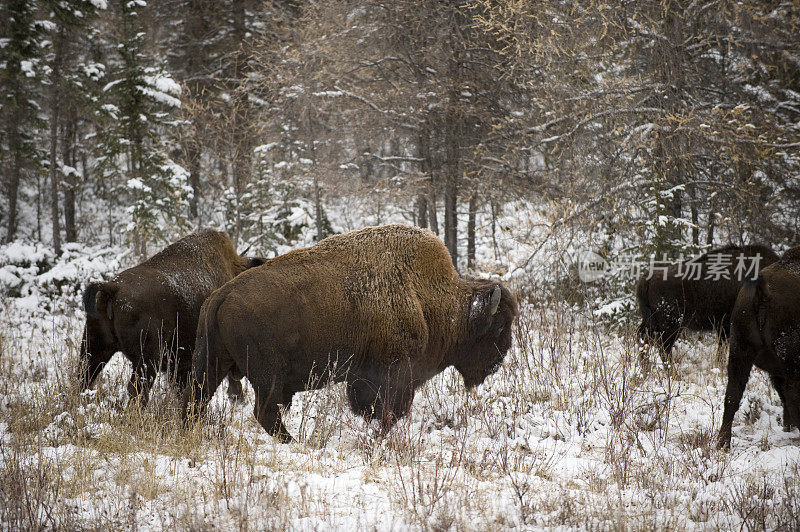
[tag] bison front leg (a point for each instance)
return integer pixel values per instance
(791, 405)
(380, 392)
(235, 392)
(95, 352)
(740, 363)
(92, 364)
(666, 341)
(141, 382)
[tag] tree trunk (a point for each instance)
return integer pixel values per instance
(433, 218)
(68, 154)
(712, 220)
(193, 160)
(451, 192)
(195, 61)
(55, 108)
(426, 166)
(494, 230)
(453, 121)
(70, 230)
(422, 211)
(695, 217)
(12, 189)
(14, 176)
(473, 208)
(240, 151)
(319, 213)
(450, 214)
(38, 206)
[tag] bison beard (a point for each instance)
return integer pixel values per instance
(385, 303)
(765, 332)
(149, 312)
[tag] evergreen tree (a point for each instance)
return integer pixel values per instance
(20, 64)
(135, 142)
(67, 18)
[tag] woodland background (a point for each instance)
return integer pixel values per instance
(662, 125)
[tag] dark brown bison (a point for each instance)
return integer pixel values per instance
(765, 331)
(697, 294)
(149, 312)
(382, 309)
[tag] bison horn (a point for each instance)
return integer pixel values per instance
(495, 301)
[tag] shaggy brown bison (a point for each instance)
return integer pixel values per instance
(152, 309)
(765, 331)
(697, 294)
(382, 309)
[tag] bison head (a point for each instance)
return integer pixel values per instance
(133, 315)
(99, 341)
(492, 310)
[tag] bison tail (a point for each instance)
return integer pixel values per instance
(204, 377)
(206, 336)
(756, 290)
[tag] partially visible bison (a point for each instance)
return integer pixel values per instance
(765, 331)
(149, 312)
(697, 294)
(382, 309)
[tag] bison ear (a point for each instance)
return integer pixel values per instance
(97, 299)
(483, 308)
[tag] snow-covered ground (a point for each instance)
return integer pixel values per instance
(575, 430)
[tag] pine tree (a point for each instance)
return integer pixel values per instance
(20, 64)
(135, 141)
(67, 19)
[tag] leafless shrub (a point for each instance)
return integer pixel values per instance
(30, 489)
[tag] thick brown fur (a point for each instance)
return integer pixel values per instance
(668, 306)
(765, 332)
(381, 308)
(149, 312)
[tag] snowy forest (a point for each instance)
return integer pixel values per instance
(667, 124)
(523, 133)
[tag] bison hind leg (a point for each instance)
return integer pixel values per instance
(203, 381)
(269, 389)
(779, 383)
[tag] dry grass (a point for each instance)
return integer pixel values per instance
(576, 430)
